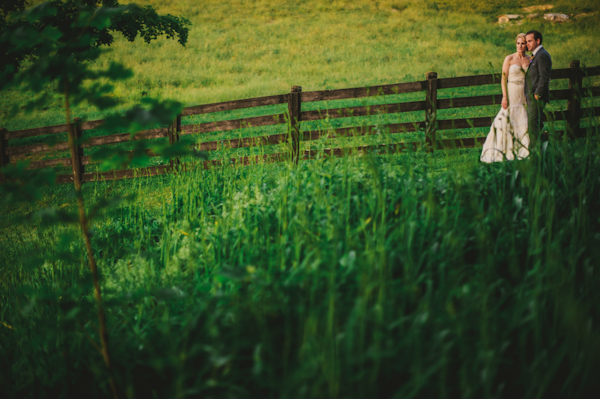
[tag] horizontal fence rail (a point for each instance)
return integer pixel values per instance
(49, 147)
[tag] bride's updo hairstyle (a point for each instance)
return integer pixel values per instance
(520, 35)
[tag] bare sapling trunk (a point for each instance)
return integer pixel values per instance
(83, 223)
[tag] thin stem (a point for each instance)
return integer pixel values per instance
(83, 222)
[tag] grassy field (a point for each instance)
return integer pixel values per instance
(352, 278)
(411, 275)
(239, 49)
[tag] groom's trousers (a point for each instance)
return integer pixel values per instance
(535, 111)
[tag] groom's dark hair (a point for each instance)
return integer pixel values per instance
(536, 35)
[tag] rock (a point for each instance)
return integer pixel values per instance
(532, 16)
(503, 19)
(556, 17)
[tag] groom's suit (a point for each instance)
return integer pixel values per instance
(537, 81)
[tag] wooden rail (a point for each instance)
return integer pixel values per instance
(289, 121)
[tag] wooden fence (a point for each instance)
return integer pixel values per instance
(289, 124)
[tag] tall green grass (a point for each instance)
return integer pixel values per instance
(378, 276)
(392, 276)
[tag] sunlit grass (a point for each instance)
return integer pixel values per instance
(248, 49)
(320, 279)
(410, 275)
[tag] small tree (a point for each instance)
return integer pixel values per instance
(67, 18)
(49, 46)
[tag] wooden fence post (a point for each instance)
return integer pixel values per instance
(431, 110)
(3, 154)
(574, 102)
(76, 151)
(294, 109)
(173, 133)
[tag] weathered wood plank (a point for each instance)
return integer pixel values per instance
(165, 169)
(124, 137)
(87, 160)
(343, 151)
(89, 125)
(486, 121)
(61, 179)
(562, 73)
(465, 142)
(266, 158)
(465, 81)
(243, 142)
(234, 124)
(563, 94)
(406, 127)
(233, 105)
(359, 92)
(466, 123)
(590, 112)
(49, 163)
(127, 173)
(56, 129)
(338, 152)
(38, 131)
(478, 80)
(593, 91)
(91, 142)
(37, 148)
(46, 163)
(248, 160)
(363, 111)
(554, 116)
(475, 101)
(592, 71)
(356, 131)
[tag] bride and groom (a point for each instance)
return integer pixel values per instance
(525, 92)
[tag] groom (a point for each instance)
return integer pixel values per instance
(537, 82)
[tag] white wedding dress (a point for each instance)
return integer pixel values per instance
(508, 137)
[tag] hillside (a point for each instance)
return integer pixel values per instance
(241, 49)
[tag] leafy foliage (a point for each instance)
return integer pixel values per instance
(58, 39)
(79, 26)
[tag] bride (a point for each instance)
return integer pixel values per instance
(508, 135)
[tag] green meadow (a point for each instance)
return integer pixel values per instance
(243, 49)
(412, 275)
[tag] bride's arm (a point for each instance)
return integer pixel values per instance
(503, 80)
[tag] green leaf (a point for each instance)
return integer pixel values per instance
(118, 71)
(171, 151)
(24, 185)
(154, 114)
(103, 17)
(36, 13)
(54, 215)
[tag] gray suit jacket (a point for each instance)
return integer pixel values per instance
(537, 79)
